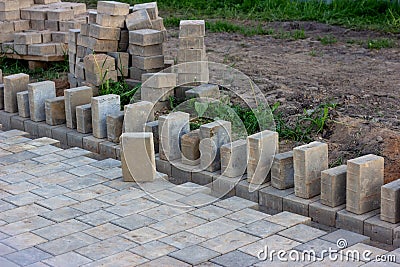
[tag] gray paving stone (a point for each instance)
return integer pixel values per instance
(84, 170)
(97, 218)
(165, 261)
(153, 249)
(49, 169)
(16, 177)
(122, 259)
(365, 257)
(25, 165)
(59, 179)
(182, 239)
(18, 188)
(194, 254)
(23, 199)
(44, 141)
(115, 197)
(28, 256)
(61, 229)
(90, 205)
(62, 214)
(23, 241)
(5, 250)
(56, 202)
(261, 228)
(317, 245)
(43, 150)
(236, 203)
(69, 259)
(49, 158)
(215, 228)
(106, 248)
(247, 215)
(90, 192)
(17, 157)
(229, 241)
(6, 263)
(67, 243)
(74, 152)
(106, 164)
(210, 212)
(105, 231)
(79, 161)
(111, 174)
(289, 219)
(118, 184)
(143, 235)
(25, 225)
(50, 191)
(350, 237)
(126, 208)
(198, 199)
(133, 221)
(22, 213)
(84, 181)
(178, 223)
(273, 242)
(6, 206)
(353, 222)
(302, 233)
(163, 212)
(235, 258)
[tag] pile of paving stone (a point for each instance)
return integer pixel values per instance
(38, 30)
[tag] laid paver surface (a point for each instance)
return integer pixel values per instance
(61, 208)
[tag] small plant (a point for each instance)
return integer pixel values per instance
(381, 43)
(327, 39)
(290, 35)
(120, 88)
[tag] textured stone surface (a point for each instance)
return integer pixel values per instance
(333, 186)
(234, 158)
(136, 115)
(282, 172)
(23, 104)
(84, 118)
(55, 110)
(101, 107)
(12, 85)
(390, 202)
(75, 97)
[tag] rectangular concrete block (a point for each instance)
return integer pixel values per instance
(193, 55)
(97, 45)
(390, 202)
(76, 97)
(223, 186)
(145, 51)
(84, 118)
(114, 126)
(121, 63)
(180, 173)
(203, 177)
(234, 158)
(163, 166)
(27, 38)
(92, 143)
(248, 191)
(60, 134)
(110, 20)
(1, 96)
(45, 130)
(365, 176)
(155, 95)
(31, 127)
(148, 63)
(12, 85)
(41, 49)
(112, 8)
(139, 166)
(191, 42)
(323, 214)
(309, 160)
(298, 205)
(136, 115)
(38, 93)
(379, 230)
(192, 28)
(75, 139)
(99, 63)
(282, 171)
(17, 123)
(55, 110)
(212, 136)
(101, 107)
(171, 128)
(333, 186)
(353, 222)
(152, 127)
(138, 19)
(159, 80)
(204, 90)
(190, 148)
(23, 104)
(146, 37)
(151, 9)
(271, 199)
(102, 32)
(261, 149)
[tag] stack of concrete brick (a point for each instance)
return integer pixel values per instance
(98, 68)
(192, 49)
(39, 30)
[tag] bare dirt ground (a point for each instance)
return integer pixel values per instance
(304, 73)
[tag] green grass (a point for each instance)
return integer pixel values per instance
(54, 71)
(381, 43)
(327, 39)
(120, 88)
(381, 15)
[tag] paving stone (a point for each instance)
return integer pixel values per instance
(90, 192)
(60, 133)
(79, 161)
(90, 205)
(17, 157)
(178, 223)
(247, 216)
(215, 228)
(67, 243)
(106, 164)
(333, 186)
(122, 259)
(165, 261)
(168, 197)
(302, 233)
(182, 239)
(114, 197)
(73, 152)
(61, 229)
(289, 219)
(340, 260)
(105, 248)
(143, 235)
(235, 258)
(22, 213)
(365, 257)
(44, 141)
(23, 199)
(249, 191)
(350, 237)
(163, 212)
(133, 221)
(324, 214)
(390, 202)
(18, 122)
(163, 166)
(298, 205)
(92, 143)
(362, 198)
(318, 245)
(353, 222)
(197, 199)
(28, 256)
(261, 228)
(236, 203)
(229, 241)
(25, 225)
(69, 259)
(273, 242)
(38, 93)
(97, 218)
(5, 119)
(62, 214)
(18, 188)
(378, 230)
(194, 254)
(153, 249)
(125, 208)
(112, 8)
(43, 150)
(23, 241)
(5, 250)
(271, 198)
(211, 212)
(48, 169)
(7, 263)
(111, 174)
(84, 170)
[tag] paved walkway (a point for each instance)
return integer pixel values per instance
(61, 208)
